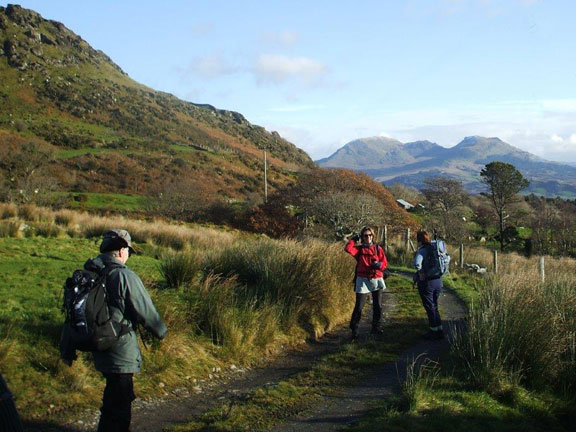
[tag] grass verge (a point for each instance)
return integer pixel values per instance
(451, 403)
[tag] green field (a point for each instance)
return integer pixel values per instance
(99, 202)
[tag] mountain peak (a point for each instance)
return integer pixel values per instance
(476, 140)
(413, 162)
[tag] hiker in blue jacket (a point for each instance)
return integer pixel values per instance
(429, 287)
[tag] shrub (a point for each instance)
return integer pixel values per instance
(27, 212)
(33, 213)
(400, 256)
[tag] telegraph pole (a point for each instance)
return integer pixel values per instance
(265, 179)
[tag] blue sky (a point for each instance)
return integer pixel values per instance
(323, 73)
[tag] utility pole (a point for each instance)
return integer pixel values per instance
(265, 179)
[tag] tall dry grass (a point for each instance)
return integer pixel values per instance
(513, 263)
(46, 222)
(233, 320)
(522, 330)
(308, 282)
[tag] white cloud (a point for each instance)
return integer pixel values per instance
(556, 138)
(572, 138)
(212, 66)
(560, 105)
(277, 69)
(282, 39)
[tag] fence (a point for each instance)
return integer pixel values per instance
(382, 237)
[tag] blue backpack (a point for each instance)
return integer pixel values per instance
(437, 262)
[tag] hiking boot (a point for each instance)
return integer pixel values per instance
(354, 334)
(377, 330)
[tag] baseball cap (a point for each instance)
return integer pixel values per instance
(116, 239)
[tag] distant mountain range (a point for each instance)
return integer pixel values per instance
(391, 161)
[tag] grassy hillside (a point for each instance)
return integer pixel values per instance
(100, 131)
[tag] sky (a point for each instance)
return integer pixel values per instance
(325, 72)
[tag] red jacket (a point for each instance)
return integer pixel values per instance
(371, 260)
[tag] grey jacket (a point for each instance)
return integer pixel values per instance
(130, 304)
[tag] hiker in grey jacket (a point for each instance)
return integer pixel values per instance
(131, 305)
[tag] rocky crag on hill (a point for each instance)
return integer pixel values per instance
(391, 161)
(100, 131)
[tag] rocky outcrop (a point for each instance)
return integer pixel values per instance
(26, 32)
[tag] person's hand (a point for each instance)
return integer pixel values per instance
(376, 265)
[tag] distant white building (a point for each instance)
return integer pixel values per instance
(404, 204)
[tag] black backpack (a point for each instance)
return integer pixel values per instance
(87, 310)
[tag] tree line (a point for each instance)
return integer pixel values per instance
(529, 224)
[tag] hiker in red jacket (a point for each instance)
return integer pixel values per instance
(370, 265)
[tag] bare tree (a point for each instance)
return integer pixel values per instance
(544, 219)
(446, 200)
(23, 166)
(407, 193)
(444, 193)
(346, 212)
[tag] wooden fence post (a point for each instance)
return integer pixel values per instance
(495, 261)
(541, 269)
(385, 239)
(407, 238)
(461, 255)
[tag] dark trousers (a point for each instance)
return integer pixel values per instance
(376, 309)
(429, 291)
(9, 418)
(116, 411)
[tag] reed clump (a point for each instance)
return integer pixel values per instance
(10, 228)
(309, 281)
(521, 331)
(179, 269)
(8, 211)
